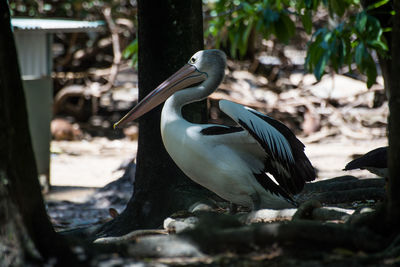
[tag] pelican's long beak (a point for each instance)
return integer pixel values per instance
(183, 78)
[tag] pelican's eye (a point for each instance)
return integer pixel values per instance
(192, 60)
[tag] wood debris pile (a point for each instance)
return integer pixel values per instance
(336, 105)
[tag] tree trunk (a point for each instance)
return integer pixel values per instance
(168, 36)
(18, 172)
(390, 66)
(394, 123)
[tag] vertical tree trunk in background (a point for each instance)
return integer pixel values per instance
(18, 173)
(390, 67)
(394, 123)
(170, 32)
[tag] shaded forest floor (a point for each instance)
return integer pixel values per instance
(81, 170)
(86, 201)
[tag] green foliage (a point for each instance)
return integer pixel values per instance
(350, 41)
(131, 51)
(353, 39)
(233, 21)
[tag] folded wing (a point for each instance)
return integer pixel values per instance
(284, 153)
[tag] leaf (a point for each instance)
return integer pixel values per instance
(130, 49)
(315, 4)
(284, 28)
(361, 21)
(373, 29)
(237, 19)
(245, 37)
(366, 63)
(306, 19)
(338, 6)
(234, 39)
(377, 4)
(320, 66)
(370, 68)
(248, 8)
(248, 29)
(379, 45)
(359, 54)
(270, 16)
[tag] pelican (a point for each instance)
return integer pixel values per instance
(257, 164)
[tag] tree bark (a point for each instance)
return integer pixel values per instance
(394, 125)
(390, 66)
(17, 163)
(168, 36)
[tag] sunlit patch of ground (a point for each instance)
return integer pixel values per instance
(91, 163)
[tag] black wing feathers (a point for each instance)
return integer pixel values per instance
(300, 171)
(218, 130)
(272, 187)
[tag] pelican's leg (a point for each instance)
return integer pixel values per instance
(233, 208)
(256, 201)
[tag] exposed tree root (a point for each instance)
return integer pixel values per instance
(214, 233)
(344, 189)
(214, 239)
(348, 196)
(142, 213)
(200, 231)
(343, 183)
(312, 213)
(130, 236)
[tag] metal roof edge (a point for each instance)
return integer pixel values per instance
(55, 25)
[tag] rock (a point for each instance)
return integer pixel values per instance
(63, 129)
(267, 215)
(178, 225)
(165, 247)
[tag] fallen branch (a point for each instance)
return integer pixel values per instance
(116, 49)
(291, 233)
(60, 100)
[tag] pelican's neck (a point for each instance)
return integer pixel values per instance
(171, 115)
(174, 104)
(172, 109)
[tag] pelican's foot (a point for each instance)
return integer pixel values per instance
(233, 208)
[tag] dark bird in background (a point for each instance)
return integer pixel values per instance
(375, 161)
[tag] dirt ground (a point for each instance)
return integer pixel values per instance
(79, 167)
(86, 165)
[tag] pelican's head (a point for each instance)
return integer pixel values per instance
(209, 61)
(206, 67)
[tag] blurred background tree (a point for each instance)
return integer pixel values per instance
(336, 33)
(343, 32)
